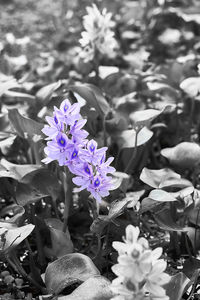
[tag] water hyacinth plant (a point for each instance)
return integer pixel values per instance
(98, 37)
(68, 144)
(140, 270)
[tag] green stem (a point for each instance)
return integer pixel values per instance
(134, 153)
(104, 132)
(67, 183)
(195, 236)
(39, 243)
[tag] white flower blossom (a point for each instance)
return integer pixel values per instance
(98, 36)
(140, 271)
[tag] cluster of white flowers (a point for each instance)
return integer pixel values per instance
(140, 271)
(98, 36)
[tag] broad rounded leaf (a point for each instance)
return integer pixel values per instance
(5, 86)
(175, 288)
(26, 194)
(183, 155)
(97, 288)
(161, 196)
(190, 266)
(61, 243)
(175, 183)
(43, 181)
(69, 269)
(105, 71)
(8, 169)
(93, 96)
(120, 180)
(24, 125)
(156, 178)
(45, 93)
(148, 204)
(13, 237)
(127, 138)
(144, 117)
(165, 221)
(191, 86)
(13, 96)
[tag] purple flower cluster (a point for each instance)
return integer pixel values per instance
(68, 144)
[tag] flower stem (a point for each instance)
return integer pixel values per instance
(67, 183)
(134, 152)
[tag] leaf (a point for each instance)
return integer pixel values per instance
(45, 93)
(105, 71)
(144, 117)
(165, 221)
(156, 178)
(176, 183)
(17, 212)
(93, 96)
(175, 288)
(126, 139)
(183, 155)
(116, 209)
(43, 181)
(194, 236)
(13, 237)
(159, 86)
(22, 124)
(5, 86)
(8, 169)
(26, 194)
(191, 86)
(190, 266)
(86, 290)
(69, 269)
(161, 196)
(148, 204)
(61, 243)
(13, 96)
(120, 180)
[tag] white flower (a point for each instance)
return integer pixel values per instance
(140, 271)
(98, 36)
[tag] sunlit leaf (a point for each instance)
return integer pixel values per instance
(183, 155)
(105, 71)
(127, 138)
(156, 178)
(69, 269)
(13, 237)
(191, 86)
(5, 86)
(144, 117)
(161, 196)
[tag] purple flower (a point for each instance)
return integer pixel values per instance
(69, 146)
(92, 154)
(55, 126)
(68, 113)
(100, 186)
(57, 149)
